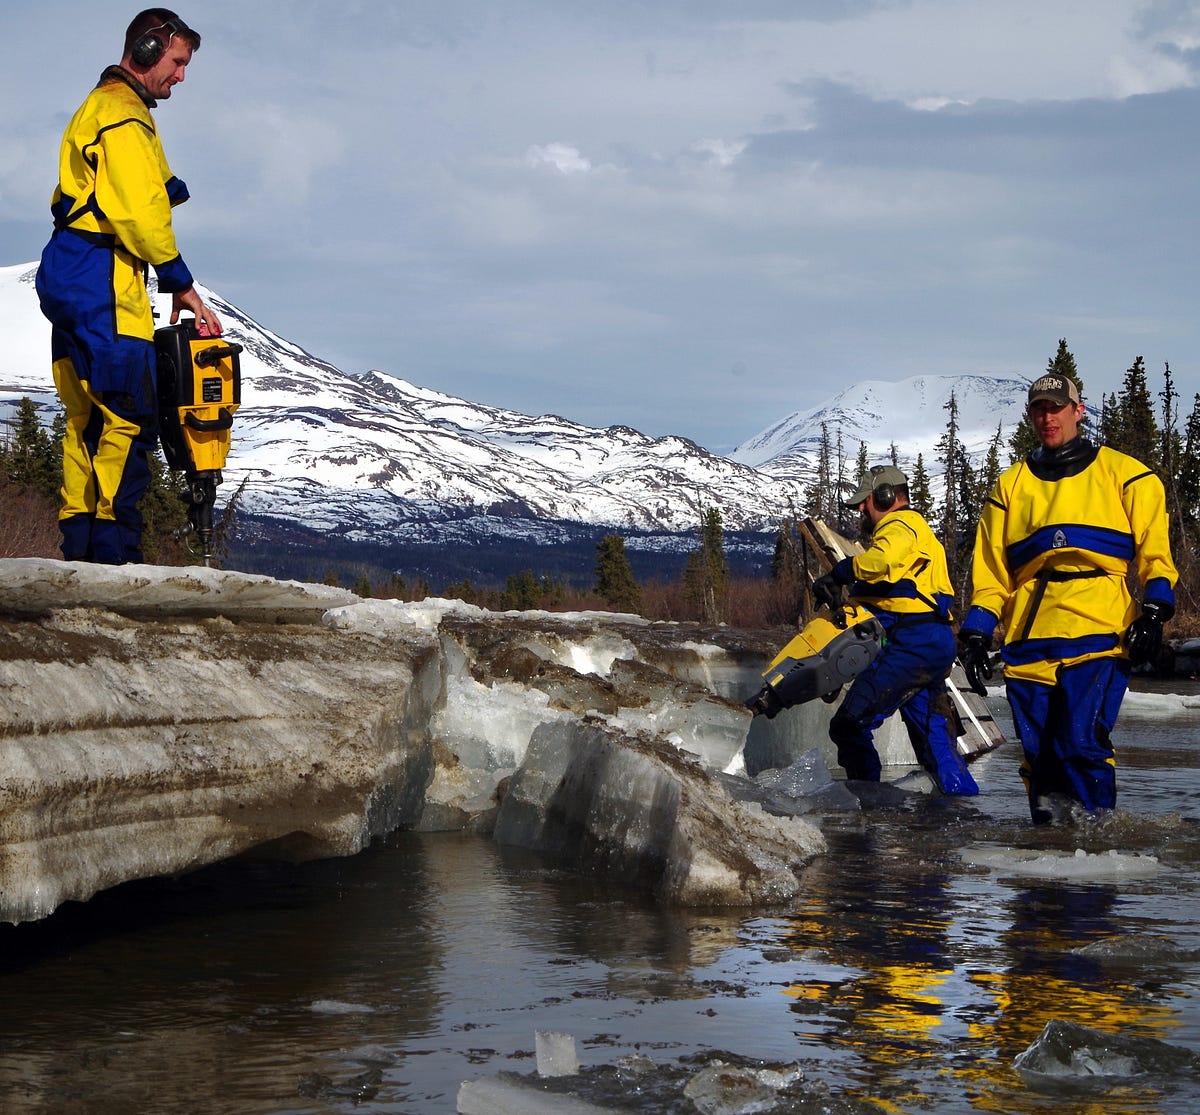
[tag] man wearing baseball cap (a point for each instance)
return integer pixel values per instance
(901, 579)
(1056, 538)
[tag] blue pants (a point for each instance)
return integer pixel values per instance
(106, 381)
(1064, 731)
(909, 675)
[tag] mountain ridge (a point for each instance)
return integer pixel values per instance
(374, 458)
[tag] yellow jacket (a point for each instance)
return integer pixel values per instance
(903, 572)
(116, 190)
(1052, 553)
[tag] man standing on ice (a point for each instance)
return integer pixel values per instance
(1056, 539)
(112, 221)
(902, 580)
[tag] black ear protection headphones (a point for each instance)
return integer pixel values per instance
(883, 494)
(149, 47)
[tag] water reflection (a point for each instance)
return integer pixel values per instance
(904, 978)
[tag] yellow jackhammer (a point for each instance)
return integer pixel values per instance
(199, 389)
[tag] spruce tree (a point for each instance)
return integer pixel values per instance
(991, 470)
(919, 496)
(818, 498)
(521, 593)
(970, 498)
(785, 560)
(951, 462)
(837, 507)
(1188, 481)
(1133, 427)
(1170, 421)
(706, 577)
(615, 583)
(165, 539)
(28, 453)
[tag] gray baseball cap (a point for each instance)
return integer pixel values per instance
(879, 474)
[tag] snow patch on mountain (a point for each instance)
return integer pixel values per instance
(910, 414)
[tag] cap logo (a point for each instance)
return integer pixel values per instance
(1059, 540)
(1058, 388)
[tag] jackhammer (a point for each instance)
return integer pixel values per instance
(832, 650)
(199, 389)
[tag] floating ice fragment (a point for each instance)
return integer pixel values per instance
(1069, 1057)
(1137, 948)
(555, 1054)
(723, 1089)
(1054, 864)
(337, 1006)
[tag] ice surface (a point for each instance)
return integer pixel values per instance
(489, 726)
(1054, 864)
(30, 586)
(384, 617)
(1140, 703)
(159, 719)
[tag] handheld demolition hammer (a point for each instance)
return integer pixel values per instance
(199, 389)
(831, 651)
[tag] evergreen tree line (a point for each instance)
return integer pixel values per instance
(1134, 420)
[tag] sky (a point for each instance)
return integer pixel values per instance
(686, 216)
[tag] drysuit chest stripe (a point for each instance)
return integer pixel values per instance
(1076, 536)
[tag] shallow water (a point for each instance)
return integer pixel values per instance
(906, 980)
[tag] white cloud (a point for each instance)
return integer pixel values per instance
(809, 189)
(562, 156)
(723, 152)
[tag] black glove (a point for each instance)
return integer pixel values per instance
(974, 647)
(1143, 639)
(765, 702)
(829, 593)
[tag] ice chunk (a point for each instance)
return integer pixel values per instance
(628, 809)
(1136, 948)
(806, 786)
(1055, 864)
(510, 1097)
(337, 1006)
(722, 1089)
(556, 1054)
(1068, 1056)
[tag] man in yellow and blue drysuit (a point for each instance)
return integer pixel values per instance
(1056, 538)
(902, 579)
(112, 221)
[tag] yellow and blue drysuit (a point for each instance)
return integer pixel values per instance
(1056, 538)
(112, 220)
(902, 579)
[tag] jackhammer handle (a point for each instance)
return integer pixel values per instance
(223, 421)
(214, 353)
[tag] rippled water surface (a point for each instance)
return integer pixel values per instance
(906, 980)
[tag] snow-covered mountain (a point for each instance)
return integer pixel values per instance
(371, 457)
(910, 414)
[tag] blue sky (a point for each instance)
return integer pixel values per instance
(686, 216)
